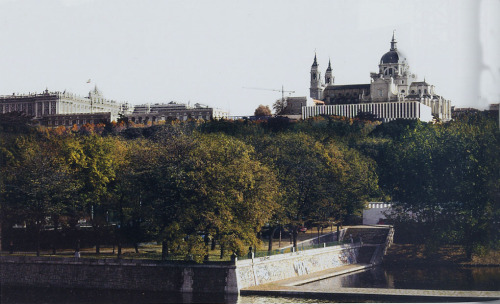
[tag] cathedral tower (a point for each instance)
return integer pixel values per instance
(329, 78)
(316, 88)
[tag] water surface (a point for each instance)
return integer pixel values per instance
(435, 278)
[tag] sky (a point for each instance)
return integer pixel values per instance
(217, 52)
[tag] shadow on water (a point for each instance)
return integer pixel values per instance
(433, 278)
(36, 295)
(436, 278)
(32, 295)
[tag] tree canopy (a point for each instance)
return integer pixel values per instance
(189, 184)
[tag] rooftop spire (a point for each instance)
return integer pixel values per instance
(393, 42)
(315, 63)
(329, 65)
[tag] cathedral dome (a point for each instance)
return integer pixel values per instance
(393, 56)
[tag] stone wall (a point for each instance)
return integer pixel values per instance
(324, 238)
(263, 270)
(372, 235)
(147, 275)
(117, 274)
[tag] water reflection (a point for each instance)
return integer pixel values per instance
(444, 278)
(31, 295)
(440, 278)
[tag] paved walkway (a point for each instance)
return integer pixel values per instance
(291, 287)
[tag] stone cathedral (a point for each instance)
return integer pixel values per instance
(392, 93)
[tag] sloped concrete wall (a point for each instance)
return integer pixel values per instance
(263, 270)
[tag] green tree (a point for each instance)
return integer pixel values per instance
(209, 185)
(37, 185)
(319, 182)
(447, 177)
(94, 160)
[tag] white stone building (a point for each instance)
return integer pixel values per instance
(394, 84)
(177, 111)
(56, 103)
(375, 213)
(54, 109)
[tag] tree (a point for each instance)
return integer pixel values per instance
(240, 197)
(94, 160)
(38, 185)
(447, 177)
(318, 182)
(208, 185)
(279, 106)
(262, 111)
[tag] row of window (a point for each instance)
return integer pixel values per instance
(45, 108)
(70, 122)
(381, 110)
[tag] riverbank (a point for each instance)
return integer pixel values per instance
(451, 255)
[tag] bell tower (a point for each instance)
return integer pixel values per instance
(329, 78)
(315, 89)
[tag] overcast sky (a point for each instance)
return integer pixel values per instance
(209, 51)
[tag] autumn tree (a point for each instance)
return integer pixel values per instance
(262, 111)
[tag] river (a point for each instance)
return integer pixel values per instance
(446, 278)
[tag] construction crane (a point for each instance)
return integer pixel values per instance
(275, 90)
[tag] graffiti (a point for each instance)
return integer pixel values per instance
(300, 268)
(346, 257)
(262, 273)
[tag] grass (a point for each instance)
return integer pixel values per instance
(151, 251)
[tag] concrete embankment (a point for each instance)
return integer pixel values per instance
(228, 278)
(117, 274)
(379, 294)
(369, 255)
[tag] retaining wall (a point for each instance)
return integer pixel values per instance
(147, 275)
(263, 270)
(117, 274)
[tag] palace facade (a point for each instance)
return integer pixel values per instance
(53, 109)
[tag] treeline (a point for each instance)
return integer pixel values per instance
(196, 185)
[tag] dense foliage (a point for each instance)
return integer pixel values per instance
(194, 185)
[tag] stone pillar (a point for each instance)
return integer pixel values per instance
(231, 282)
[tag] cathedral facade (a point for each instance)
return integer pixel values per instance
(394, 92)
